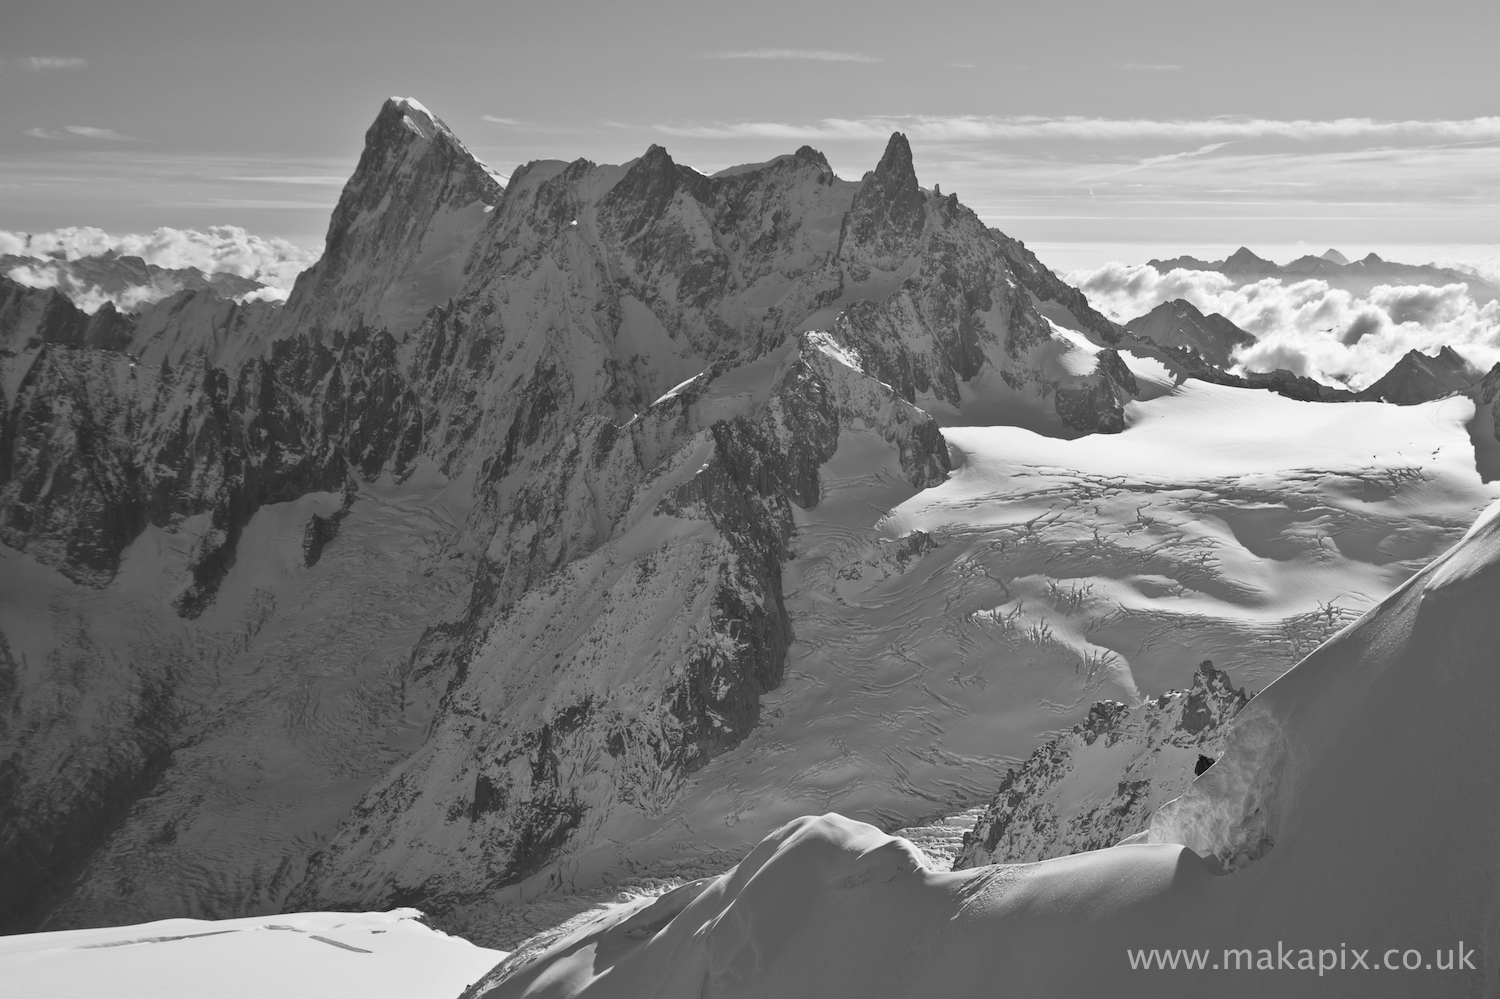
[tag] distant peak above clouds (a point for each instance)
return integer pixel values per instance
(1343, 324)
(1363, 274)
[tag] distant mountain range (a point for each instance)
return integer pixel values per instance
(1332, 266)
(125, 281)
(1202, 346)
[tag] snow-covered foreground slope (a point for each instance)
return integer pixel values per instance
(1356, 806)
(305, 955)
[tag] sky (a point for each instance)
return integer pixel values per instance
(1092, 131)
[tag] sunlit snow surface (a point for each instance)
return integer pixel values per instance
(307, 955)
(1360, 782)
(1225, 524)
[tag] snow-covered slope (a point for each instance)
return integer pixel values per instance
(1324, 810)
(305, 955)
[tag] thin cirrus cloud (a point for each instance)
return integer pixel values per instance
(517, 125)
(81, 132)
(41, 64)
(312, 180)
(805, 55)
(978, 128)
(1148, 67)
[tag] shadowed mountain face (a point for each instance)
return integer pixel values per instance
(567, 427)
(1180, 324)
(1418, 378)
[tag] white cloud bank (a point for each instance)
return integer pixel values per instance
(1310, 327)
(220, 249)
(224, 249)
(41, 64)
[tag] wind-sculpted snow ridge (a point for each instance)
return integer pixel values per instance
(1335, 775)
(1100, 782)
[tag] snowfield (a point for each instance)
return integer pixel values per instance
(305, 955)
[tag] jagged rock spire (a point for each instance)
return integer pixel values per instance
(887, 216)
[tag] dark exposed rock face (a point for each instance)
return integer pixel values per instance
(619, 361)
(47, 829)
(1418, 378)
(30, 317)
(1046, 286)
(1040, 812)
(1179, 324)
(887, 216)
(97, 446)
(1485, 391)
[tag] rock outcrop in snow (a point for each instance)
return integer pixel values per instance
(1099, 783)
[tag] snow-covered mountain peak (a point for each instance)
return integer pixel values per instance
(804, 155)
(398, 239)
(423, 121)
